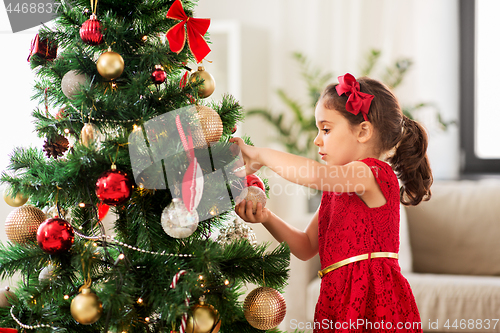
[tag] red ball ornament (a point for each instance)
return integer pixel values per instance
(158, 76)
(90, 32)
(55, 236)
(113, 187)
(254, 180)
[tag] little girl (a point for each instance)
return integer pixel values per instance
(367, 144)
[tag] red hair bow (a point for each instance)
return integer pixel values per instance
(196, 28)
(357, 100)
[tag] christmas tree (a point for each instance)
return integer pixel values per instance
(133, 133)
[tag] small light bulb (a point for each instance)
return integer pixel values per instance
(202, 285)
(140, 301)
(66, 297)
(81, 204)
(200, 277)
(113, 85)
(135, 127)
(121, 256)
(95, 244)
(144, 38)
(146, 319)
(66, 130)
(226, 282)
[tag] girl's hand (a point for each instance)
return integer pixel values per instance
(250, 155)
(245, 210)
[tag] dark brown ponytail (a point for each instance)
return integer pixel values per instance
(411, 164)
(393, 129)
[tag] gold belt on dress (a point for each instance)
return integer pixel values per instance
(365, 256)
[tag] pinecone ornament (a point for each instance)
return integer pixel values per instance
(55, 147)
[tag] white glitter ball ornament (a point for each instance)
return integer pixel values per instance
(71, 83)
(236, 230)
(47, 274)
(177, 221)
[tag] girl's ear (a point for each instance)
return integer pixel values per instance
(365, 132)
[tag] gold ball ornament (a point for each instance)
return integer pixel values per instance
(211, 127)
(207, 88)
(90, 135)
(253, 194)
(5, 297)
(16, 201)
(264, 308)
(22, 224)
(86, 307)
(204, 319)
(110, 65)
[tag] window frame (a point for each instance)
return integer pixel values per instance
(470, 162)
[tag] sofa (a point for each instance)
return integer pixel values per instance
(450, 255)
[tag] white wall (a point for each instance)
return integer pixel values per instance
(15, 95)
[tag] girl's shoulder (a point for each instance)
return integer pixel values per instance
(384, 175)
(378, 167)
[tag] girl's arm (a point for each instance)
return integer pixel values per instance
(352, 177)
(303, 244)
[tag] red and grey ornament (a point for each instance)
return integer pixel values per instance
(158, 76)
(91, 31)
(113, 187)
(255, 192)
(254, 180)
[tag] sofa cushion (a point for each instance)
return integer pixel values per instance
(472, 301)
(458, 230)
(405, 260)
(312, 298)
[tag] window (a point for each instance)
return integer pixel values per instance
(479, 86)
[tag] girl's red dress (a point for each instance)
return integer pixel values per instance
(369, 295)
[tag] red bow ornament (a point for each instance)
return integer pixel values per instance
(357, 100)
(196, 28)
(192, 181)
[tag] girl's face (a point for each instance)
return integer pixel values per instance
(337, 140)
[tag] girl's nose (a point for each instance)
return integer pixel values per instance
(317, 140)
